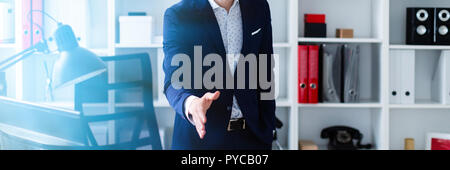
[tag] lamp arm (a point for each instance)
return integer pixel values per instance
(15, 59)
(39, 47)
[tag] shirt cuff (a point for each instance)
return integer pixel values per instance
(187, 104)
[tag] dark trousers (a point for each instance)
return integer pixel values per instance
(245, 140)
(217, 138)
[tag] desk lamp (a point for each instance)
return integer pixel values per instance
(74, 65)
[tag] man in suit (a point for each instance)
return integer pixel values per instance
(224, 119)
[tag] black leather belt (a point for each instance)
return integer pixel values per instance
(236, 125)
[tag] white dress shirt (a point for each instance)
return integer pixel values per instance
(231, 28)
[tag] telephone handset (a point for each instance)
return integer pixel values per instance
(342, 138)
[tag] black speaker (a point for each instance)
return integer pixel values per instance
(2, 84)
(420, 26)
(442, 26)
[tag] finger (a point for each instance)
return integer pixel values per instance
(207, 104)
(197, 122)
(212, 96)
(202, 117)
(200, 128)
(216, 95)
(201, 131)
(207, 96)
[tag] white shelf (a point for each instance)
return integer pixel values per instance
(341, 105)
(7, 45)
(325, 148)
(139, 45)
(339, 40)
(283, 103)
(419, 47)
(281, 45)
(161, 103)
(419, 106)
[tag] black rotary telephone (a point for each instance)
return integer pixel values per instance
(342, 138)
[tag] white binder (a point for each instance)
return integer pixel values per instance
(395, 77)
(440, 90)
(408, 65)
(402, 78)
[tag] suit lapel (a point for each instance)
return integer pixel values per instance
(211, 26)
(246, 23)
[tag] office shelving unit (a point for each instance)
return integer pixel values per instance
(339, 40)
(368, 19)
(426, 115)
(379, 27)
(14, 74)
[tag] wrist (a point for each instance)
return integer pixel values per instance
(188, 105)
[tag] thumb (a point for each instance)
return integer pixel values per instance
(212, 96)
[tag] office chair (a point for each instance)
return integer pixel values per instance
(132, 119)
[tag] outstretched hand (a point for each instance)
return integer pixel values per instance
(198, 110)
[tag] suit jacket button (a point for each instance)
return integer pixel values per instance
(229, 108)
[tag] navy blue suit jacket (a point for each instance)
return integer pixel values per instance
(193, 23)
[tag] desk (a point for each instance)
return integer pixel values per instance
(15, 138)
(39, 125)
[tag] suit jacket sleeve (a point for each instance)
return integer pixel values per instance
(173, 45)
(267, 107)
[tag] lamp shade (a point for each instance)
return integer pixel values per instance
(75, 64)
